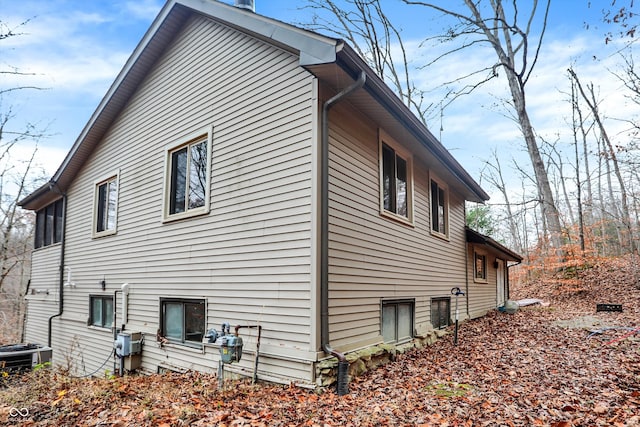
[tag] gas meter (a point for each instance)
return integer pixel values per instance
(230, 345)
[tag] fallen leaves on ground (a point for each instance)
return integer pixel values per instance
(538, 367)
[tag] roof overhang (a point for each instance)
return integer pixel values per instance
(478, 238)
(330, 60)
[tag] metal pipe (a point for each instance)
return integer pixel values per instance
(324, 227)
(61, 269)
(255, 365)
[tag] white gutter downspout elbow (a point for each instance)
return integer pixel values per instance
(343, 364)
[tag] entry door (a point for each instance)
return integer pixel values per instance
(501, 283)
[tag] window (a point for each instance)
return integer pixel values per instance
(101, 311)
(439, 209)
(105, 206)
(49, 225)
(182, 320)
(440, 312)
(396, 180)
(480, 267)
(397, 320)
(188, 177)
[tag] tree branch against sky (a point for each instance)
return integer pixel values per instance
(510, 33)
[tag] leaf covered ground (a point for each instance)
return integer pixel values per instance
(540, 366)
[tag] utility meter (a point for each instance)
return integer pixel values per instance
(230, 348)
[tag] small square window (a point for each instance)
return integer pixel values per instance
(182, 320)
(187, 185)
(105, 206)
(101, 311)
(397, 320)
(440, 312)
(480, 267)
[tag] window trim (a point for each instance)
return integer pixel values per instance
(483, 278)
(441, 186)
(438, 300)
(396, 302)
(103, 298)
(385, 139)
(195, 137)
(114, 177)
(183, 341)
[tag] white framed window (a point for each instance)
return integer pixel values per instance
(105, 206)
(396, 179)
(397, 320)
(439, 208)
(480, 267)
(188, 176)
(182, 321)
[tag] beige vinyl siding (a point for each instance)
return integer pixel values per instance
(42, 300)
(250, 256)
(373, 257)
(482, 295)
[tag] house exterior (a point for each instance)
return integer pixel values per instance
(243, 170)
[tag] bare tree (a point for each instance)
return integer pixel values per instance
(510, 33)
(17, 178)
(367, 28)
(610, 152)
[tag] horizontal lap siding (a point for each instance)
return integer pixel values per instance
(373, 257)
(250, 257)
(42, 300)
(482, 295)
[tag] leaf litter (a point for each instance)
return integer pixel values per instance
(542, 366)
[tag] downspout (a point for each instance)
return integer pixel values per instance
(343, 364)
(61, 271)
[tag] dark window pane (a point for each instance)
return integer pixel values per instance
(434, 207)
(40, 223)
(194, 321)
(388, 178)
(48, 228)
(178, 181)
(101, 223)
(57, 237)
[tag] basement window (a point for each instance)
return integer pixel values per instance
(440, 312)
(182, 321)
(101, 311)
(397, 320)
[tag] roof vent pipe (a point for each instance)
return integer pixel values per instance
(245, 4)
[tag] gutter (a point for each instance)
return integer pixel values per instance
(343, 364)
(61, 272)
